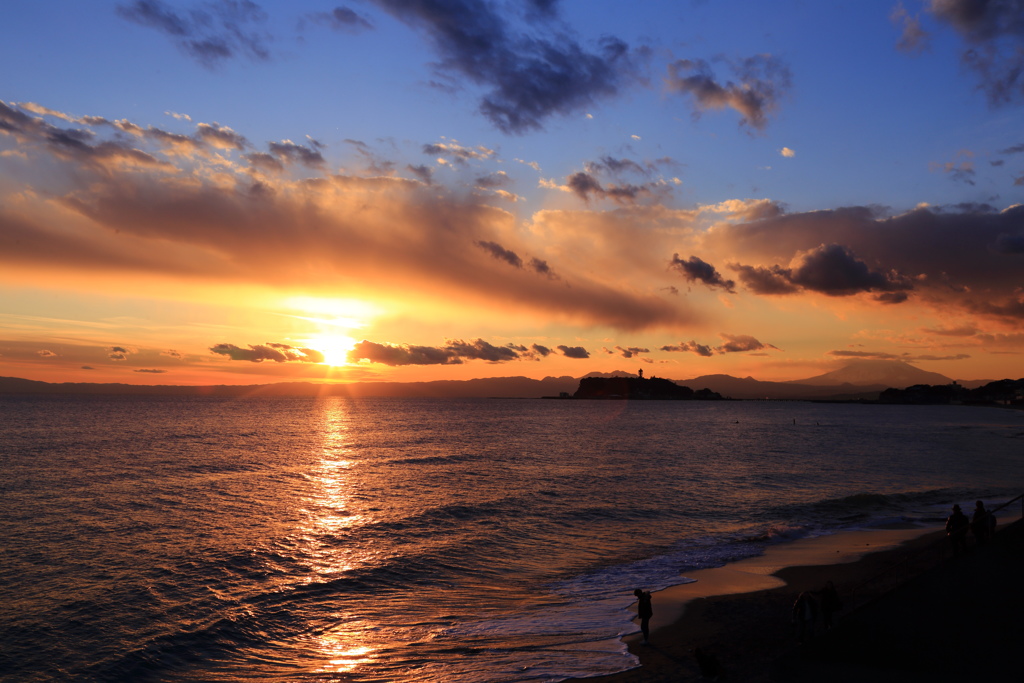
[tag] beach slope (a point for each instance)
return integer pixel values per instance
(958, 620)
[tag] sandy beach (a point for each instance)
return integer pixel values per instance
(934, 618)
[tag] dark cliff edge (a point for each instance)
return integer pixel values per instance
(640, 388)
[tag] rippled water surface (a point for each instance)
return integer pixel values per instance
(170, 539)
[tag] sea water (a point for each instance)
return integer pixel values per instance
(202, 539)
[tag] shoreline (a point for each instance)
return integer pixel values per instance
(741, 612)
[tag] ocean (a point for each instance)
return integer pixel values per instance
(465, 541)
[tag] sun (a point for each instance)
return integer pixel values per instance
(335, 348)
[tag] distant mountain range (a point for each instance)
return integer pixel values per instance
(861, 379)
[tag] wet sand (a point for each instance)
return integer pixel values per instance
(948, 619)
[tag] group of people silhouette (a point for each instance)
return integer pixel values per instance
(810, 605)
(824, 603)
(982, 525)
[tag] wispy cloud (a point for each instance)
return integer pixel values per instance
(760, 83)
(210, 32)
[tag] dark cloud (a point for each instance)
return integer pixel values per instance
(119, 352)
(453, 353)
(691, 346)
(540, 350)
(541, 267)
(761, 280)
(834, 270)
(529, 77)
(501, 253)
(761, 82)
(994, 31)
(631, 351)
(493, 180)
(584, 185)
(153, 371)
(574, 351)
(342, 19)
(279, 353)
(388, 354)
(739, 343)
(171, 353)
(481, 350)
(616, 167)
(290, 152)
(828, 269)
(949, 256)
(457, 153)
(695, 269)
(210, 32)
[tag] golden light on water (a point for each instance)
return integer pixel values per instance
(328, 508)
(340, 654)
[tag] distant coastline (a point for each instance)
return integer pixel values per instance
(1006, 392)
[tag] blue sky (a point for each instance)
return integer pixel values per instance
(501, 188)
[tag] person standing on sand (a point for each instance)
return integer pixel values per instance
(830, 603)
(981, 523)
(645, 612)
(956, 530)
(805, 613)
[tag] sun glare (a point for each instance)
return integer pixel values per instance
(331, 318)
(334, 347)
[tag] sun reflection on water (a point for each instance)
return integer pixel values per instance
(340, 654)
(329, 515)
(328, 511)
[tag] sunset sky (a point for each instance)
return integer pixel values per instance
(235, 192)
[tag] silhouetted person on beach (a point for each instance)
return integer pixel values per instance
(644, 611)
(708, 663)
(982, 523)
(805, 614)
(828, 597)
(956, 530)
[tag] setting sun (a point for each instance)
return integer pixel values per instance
(334, 347)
